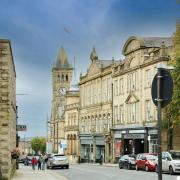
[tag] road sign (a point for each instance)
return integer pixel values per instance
(166, 88)
(21, 127)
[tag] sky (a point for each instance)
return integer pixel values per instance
(38, 28)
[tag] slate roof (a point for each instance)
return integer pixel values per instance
(62, 60)
(157, 41)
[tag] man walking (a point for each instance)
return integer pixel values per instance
(39, 162)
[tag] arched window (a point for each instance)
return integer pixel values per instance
(66, 77)
(100, 123)
(62, 77)
(109, 121)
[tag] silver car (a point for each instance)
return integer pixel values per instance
(170, 162)
(57, 160)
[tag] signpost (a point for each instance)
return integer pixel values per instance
(21, 127)
(161, 91)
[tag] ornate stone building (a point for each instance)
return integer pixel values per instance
(7, 109)
(61, 78)
(71, 126)
(96, 111)
(135, 116)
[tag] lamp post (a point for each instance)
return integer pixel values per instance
(94, 145)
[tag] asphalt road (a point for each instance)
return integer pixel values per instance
(101, 172)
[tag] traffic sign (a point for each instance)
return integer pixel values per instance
(21, 127)
(166, 88)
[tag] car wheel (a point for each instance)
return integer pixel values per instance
(146, 168)
(137, 167)
(129, 166)
(120, 166)
(171, 170)
(47, 167)
(67, 167)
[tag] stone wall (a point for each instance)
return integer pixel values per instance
(7, 109)
(176, 139)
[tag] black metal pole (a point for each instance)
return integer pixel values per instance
(159, 100)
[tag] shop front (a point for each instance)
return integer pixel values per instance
(86, 148)
(135, 140)
(92, 148)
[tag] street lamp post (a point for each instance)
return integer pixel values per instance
(159, 100)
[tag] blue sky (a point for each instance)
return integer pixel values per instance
(36, 31)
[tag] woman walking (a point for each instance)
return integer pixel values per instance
(33, 162)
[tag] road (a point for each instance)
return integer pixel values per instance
(101, 172)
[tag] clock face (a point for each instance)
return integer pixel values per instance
(62, 90)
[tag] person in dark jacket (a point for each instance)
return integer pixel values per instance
(39, 162)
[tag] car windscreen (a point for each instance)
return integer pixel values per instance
(150, 157)
(59, 155)
(175, 155)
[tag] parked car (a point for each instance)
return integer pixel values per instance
(127, 162)
(146, 161)
(27, 160)
(170, 162)
(57, 160)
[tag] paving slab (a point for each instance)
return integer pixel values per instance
(26, 173)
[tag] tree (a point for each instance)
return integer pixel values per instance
(38, 144)
(172, 112)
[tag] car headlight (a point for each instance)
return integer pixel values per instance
(176, 165)
(66, 161)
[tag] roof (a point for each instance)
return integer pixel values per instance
(62, 60)
(148, 42)
(105, 63)
(157, 41)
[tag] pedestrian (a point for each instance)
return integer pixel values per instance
(33, 162)
(43, 162)
(36, 161)
(46, 160)
(39, 163)
(101, 159)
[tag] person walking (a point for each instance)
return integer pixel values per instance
(43, 162)
(39, 162)
(33, 162)
(101, 159)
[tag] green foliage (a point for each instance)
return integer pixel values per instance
(173, 110)
(38, 144)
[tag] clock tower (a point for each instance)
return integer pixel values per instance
(61, 78)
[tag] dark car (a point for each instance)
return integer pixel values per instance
(146, 161)
(127, 162)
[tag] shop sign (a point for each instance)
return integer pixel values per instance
(133, 136)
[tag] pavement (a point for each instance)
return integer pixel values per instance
(26, 173)
(103, 164)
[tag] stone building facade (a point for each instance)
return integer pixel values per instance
(61, 78)
(95, 119)
(112, 113)
(7, 109)
(71, 127)
(135, 115)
